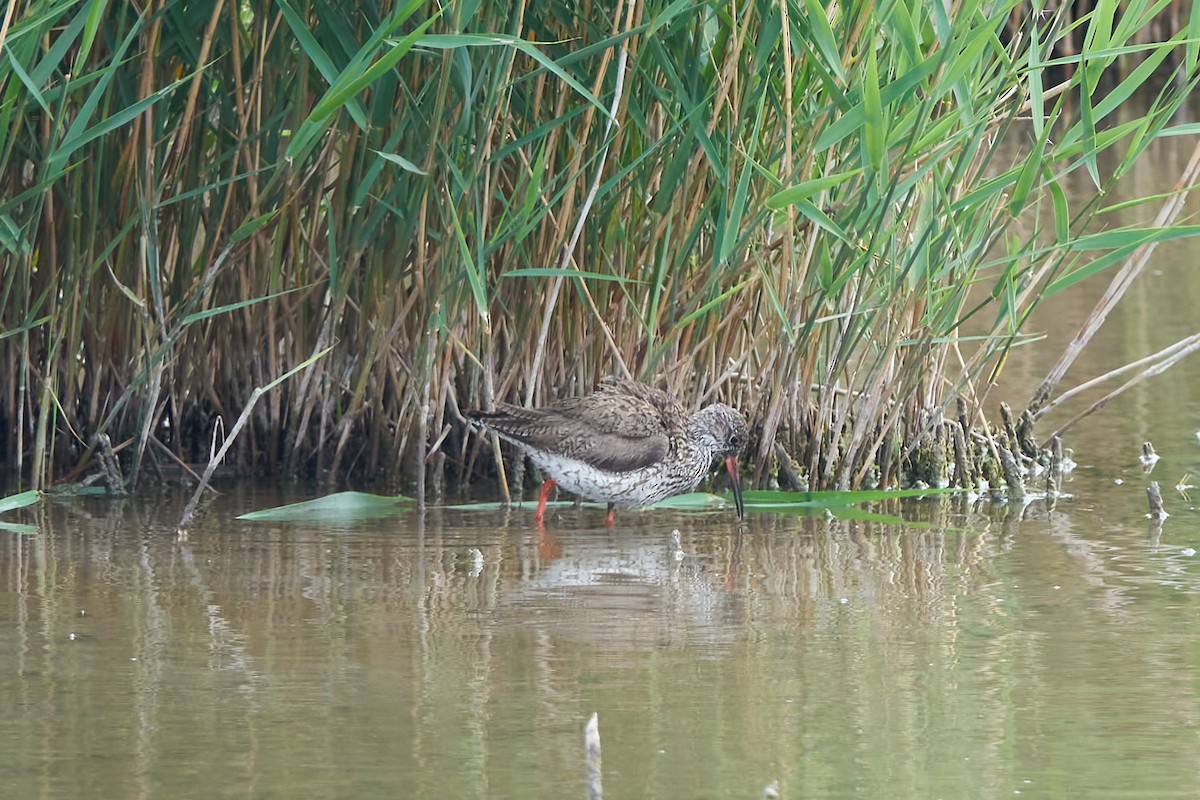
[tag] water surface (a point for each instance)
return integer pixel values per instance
(992, 651)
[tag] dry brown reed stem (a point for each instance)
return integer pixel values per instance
(171, 456)
(787, 165)
(569, 251)
(1133, 266)
(1186, 343)
(189, 114)
(7, 21)
(423, 417)
(1178, 351)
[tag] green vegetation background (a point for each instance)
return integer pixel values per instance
(383, 213)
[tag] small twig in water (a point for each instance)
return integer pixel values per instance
(190, 511)
(1148, 457)
(591, 746)
(183, 465)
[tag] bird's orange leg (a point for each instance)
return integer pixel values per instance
(612, 516)
(539, 516)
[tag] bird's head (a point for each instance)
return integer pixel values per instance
(723, 432)
(719, 429)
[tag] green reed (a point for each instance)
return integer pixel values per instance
(796, 207)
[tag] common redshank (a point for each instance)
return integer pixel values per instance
(626, 444)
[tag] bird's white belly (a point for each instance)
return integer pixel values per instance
(633, 489)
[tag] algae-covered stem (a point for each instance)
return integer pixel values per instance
(1154, 496)
(1012, 475)
(1054, 472)
(964, 473)
(110, 467)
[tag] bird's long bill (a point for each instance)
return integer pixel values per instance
(736, 481)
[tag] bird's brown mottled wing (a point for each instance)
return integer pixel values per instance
(622, 426)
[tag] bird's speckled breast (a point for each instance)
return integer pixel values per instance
(632, 489)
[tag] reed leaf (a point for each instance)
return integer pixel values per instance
(340, 507)
(20, 500)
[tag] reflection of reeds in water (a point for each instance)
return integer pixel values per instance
(792, 636)
(794, 212)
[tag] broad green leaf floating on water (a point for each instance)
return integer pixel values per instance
(19, 528)
(695, 501)
(342, 507)
(64, 490)
(14, 501)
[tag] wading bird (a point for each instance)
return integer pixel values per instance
(626, 444)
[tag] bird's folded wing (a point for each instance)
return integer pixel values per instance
(584, 430)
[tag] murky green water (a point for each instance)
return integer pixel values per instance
(991, 653)
(995, 652)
